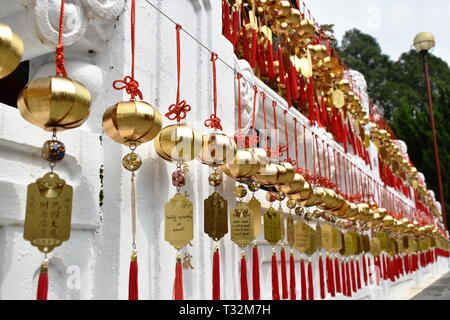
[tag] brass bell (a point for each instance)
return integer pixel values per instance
(217, 149)
(244, 165)
(178, 142)
(132, 122)
(54, 103)
(11, 50)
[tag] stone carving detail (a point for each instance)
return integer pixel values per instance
(247, 93)
(78, 15)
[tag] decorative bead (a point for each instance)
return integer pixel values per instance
(132, 161)
(299, 211)
(308, 216)
(317, 214)
(53, 150)
(215, 179)
(281, 196)
(240, 191)
(271, 196)
(291, 203)
(254, 186)
(179, 178)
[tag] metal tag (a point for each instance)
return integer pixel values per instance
(255, 208)
(48, 213)
(350, 246)
(319, 242)
(375, 246)
(241, 223)
(282, 224)
(179, 226)
(338, 98)
(327, 237)
(215, 216)
(302, 234)
(272, 222)
(383, 240)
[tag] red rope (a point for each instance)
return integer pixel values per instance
(60, 69)
(179, 110)
(213, 121)
(296, 141)
(263, 95)
(238, 77)
(128, 83)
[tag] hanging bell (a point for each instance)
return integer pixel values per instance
(178, 142)
(11, 50)
(244, 165)
(217, 149)
(132, 122)
(54, 103)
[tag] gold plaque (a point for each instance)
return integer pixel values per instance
(319, 244)
(405, 243)
(400, 247)
(375, 246)
(366, 243)
(313, 246)
(342, 239)
(48, 213)
(336, 240)
(241, 221)
(272, 230)
(327, 237)
(255, 208)
(412, 245)
(304, 238)
(358, 241)
(290, 231)
(282, 224)
(215, 216)
(383, 240)
(179, 226)
(350, 245)
(338, 98)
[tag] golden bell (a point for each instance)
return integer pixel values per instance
(262, 156)
(289, 174)
(388, 221)
(178, 142)
(305, 193)
(344, 85)
(54, 103)
(295, 185)
(217, 149)
(132, 122)
(11, 50)
(315, 198)
(244, 165)
(270, 174)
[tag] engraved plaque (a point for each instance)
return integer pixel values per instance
(366, 243)
(319, 237)
(412, 245)
(358, 241)
(179, 226)
(48, 213)
(215, 216)
(282, 224)
(255, 208)
(383, 240)
(302, 236)
(342, 239)
(290, 231)
(338, 98)
(375, 246)
(400, 245)
(327, 237)
(336, 241)
(241, 221)
(350, 245)
(313, 242)
(272, 222)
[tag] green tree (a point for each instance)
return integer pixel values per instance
(399, 88)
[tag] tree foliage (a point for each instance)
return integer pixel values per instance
(398, 87)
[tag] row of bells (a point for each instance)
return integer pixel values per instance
(60, 103)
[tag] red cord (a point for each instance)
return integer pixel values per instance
(179, 110)
(213, 121)
(60, 69)
(128, 83)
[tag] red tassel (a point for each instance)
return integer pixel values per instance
(261, 60)
(244, 284)
(324, 112)
(288, 93)
(369, 267)
(270, 66)
(284, 287)
(364, 265)
(216, 275)
(226, 20)
(275, 288)
(353, 274)
(42, 288)
(310, 282)
(254, 48)
(293, 82)
(303, 279)
(292, 285)
(337, 275)
(311, 107)
(133, 279)
(235, 35)
(322, 282)
(245, 44)
(385, 270)
(358, 273)
(281, 66)
(255, 274)
(178, 283)
(344, 278)
(330, 277)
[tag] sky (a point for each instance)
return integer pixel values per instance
(394, 23)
